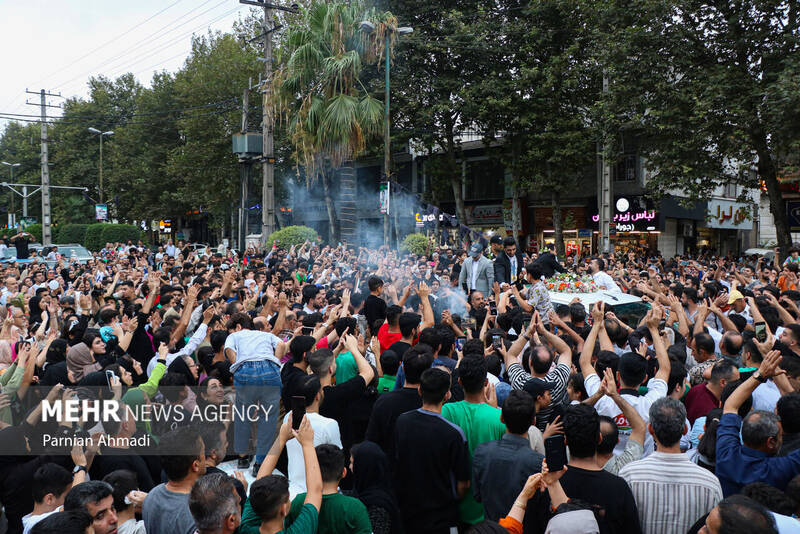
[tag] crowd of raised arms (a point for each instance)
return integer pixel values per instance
(349, 390)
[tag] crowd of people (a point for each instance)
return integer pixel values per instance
(348, 390)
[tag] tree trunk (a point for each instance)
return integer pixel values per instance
(333, 227)
(347, 203)
(768, 173)
(559, 231)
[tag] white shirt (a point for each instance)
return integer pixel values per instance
(29, 520)
(252, 346)
(326, 432)
(766, 396)
(656, 388)
(513, 274)
(602, 278)
(474, 277)
(190, 347)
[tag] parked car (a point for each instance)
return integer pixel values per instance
(71, 252)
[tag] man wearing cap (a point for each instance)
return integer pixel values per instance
(738, 305)
(477, 273)
(542, 393)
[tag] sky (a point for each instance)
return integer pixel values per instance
(58, 45)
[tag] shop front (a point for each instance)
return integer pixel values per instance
(679, 223)
(577, 235)
(726, 228)
(634, 227)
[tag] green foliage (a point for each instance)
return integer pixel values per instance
(70, 233)
(707, 87)
(120, 233)
(94, 237)
(36, 230)
(416, 244)
(292, 235)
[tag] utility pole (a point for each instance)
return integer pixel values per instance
(267, 125)
(46, 222)
(604, 197)
(244, 172)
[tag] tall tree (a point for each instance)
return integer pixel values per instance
(435, 67)
(539, 94)
(331, 114)
(712, 89)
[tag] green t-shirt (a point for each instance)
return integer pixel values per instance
(346, 367)
(306, 522)
(386, 383)
(337, 515)
(480, 423)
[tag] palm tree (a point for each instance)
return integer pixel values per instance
(329, 113)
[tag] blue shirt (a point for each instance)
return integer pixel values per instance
(500, 470)
(450, 363)
(737, 465)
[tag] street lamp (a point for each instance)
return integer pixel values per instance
(369, 27)
(101, 134)
(24, 202)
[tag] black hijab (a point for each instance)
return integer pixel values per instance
(179, 366)
(372, 480)
(57, 352)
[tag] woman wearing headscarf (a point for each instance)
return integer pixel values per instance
(81, 362)
(372, 486)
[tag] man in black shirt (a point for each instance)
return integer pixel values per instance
(338, 400)
(548, 262)
(432, 470)
(21, 241)
(374, 306)
(409, 329)
(296, 368)
(391, 405)
(585, 481)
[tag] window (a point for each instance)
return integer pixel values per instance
(625, 169)
(485, 180)
(729, 190)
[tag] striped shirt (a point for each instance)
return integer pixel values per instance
(559, 374)
(671, 492)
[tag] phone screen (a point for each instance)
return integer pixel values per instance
(460, 343)
(496, 341)
(555, 452)
(298, 411)
(109, 376)
(761, 332)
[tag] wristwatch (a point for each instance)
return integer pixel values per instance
(759, 377)
(79, 468)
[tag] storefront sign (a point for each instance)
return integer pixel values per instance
(630, 215)
(383, 197)
(485, 215)
(729, 214)
(793, 215)
(422, 219)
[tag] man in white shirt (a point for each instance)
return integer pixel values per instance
(257, 379)
(631, 372)
(326, 431)
(670, 490)
(50, 485)
(601, 277)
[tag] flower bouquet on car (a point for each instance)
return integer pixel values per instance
(571, 283)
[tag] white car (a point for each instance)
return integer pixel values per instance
(628, 308)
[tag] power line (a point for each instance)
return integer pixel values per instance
(149, 38)
(123, 67)
(148, 19)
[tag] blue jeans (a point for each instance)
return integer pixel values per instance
(256, 383)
